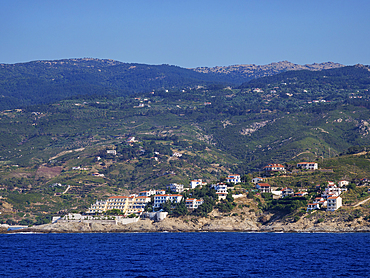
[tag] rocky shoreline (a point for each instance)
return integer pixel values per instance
(226, 224)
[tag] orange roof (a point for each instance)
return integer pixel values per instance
(117, 197)
(273, 165)
(263, 184)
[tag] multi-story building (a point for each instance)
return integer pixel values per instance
(195, 183)
(334, 203)
(233, 179)
(193, 203)
(127, 205)
(263, 187)
(175, 187)
(98, 207)
(287, 192)
(274, 168)
(163, 198)
(221, 190)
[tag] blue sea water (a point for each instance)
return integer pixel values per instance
(185, 255)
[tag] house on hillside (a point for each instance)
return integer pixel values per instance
(151, 192)
(193, 203)
(271, 168)
(160, 199)
(334, 203)
(257, 180)
(176, 187)
(114, 152)
(287, 192)
(313, 206)
(233, 179)
(342, 183)
(195, 183)
(263, 187)
(221, 190)
(300, 194)
(308, 165)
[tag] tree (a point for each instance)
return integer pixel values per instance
(180, 209)
(113, 212)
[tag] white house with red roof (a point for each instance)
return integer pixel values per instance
(313, 206)
(163, 198)
(263, 187)
(233, 179)
(126, 204)
(192, 203)
(300, 194)
(221, 190)
(274, 167)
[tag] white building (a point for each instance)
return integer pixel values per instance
(342, 183)
(176, 187)
(313, 206)
(287, 192)
(193, 203)
(334, 203)
(151, 192)
(163, 198)
(257, 180)
(221, 190)
(114, 152)
(233, 179)
(263, 187)
(274, 168)
(127, 205)
(308, 165)
(300, 194)
(195, 183)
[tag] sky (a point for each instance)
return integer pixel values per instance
(187, 33)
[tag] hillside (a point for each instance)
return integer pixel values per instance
(244, 73)
(205, 132)
(43, 82)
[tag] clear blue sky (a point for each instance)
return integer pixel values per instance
(187, 33)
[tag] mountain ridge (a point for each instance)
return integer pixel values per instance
(252, 71)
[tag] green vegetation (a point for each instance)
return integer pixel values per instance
(50, 152)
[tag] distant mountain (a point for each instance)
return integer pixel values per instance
(48, 81)
(243, 73)
(42, 82)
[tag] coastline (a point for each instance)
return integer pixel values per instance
(173, 225)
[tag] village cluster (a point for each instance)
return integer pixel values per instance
(136, 203)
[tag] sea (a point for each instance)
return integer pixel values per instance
(223, 254)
